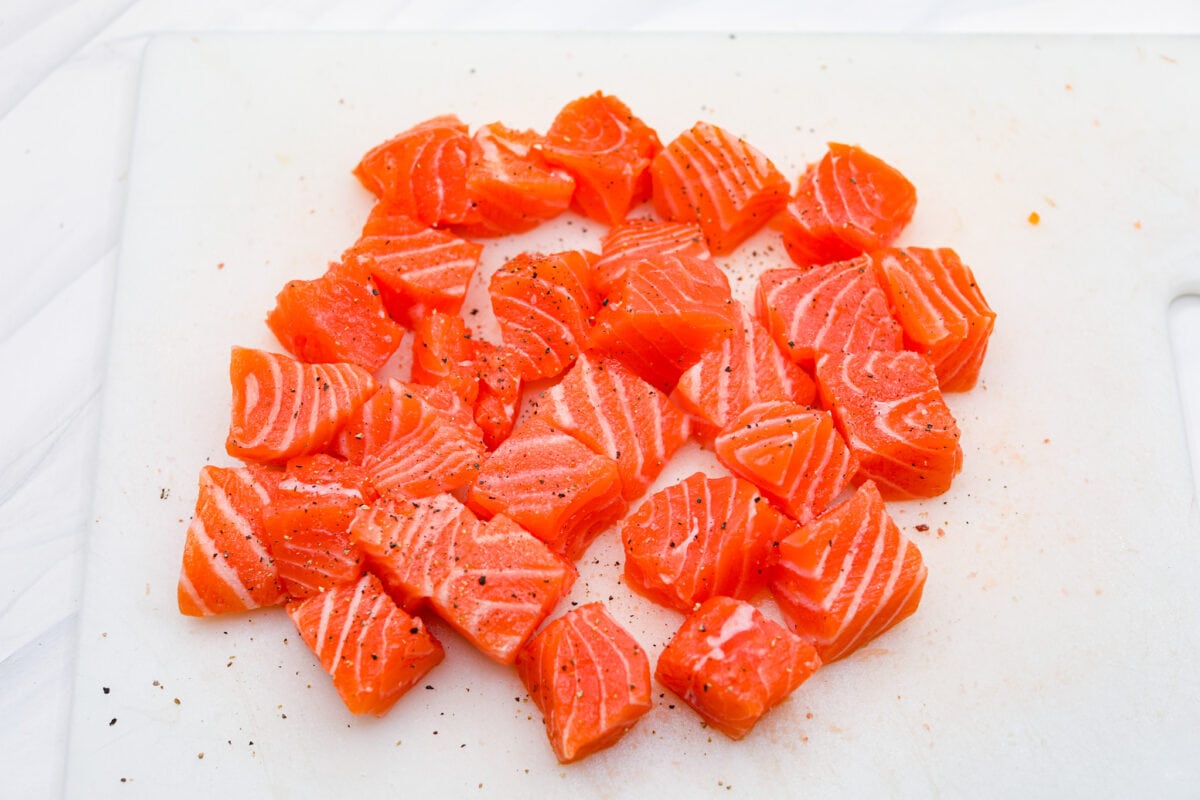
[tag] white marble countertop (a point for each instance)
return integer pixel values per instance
(68, 81)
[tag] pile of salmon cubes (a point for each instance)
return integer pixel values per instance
(470, 491)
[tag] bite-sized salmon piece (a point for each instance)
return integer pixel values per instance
(512, 187)
(700, 538)
(732, 665)
(890, 411)
(227, 565)
(556, 487)
(607, 149)
(590, 679)
(718, 181)
(416, 269)
(374, 651)
(451, 405)
(792, 453)
(941, 309)
(443, 352)
(307, 523)
(336, 317)
(848, 576)
(544, 304)
(637, 239)
(832, 308)
(423, 171)
(284, 408)
(667, 312)
(745, 367)
(847, 204)
(500, 387)
(437, 454)
(493, 582)
(605, 405)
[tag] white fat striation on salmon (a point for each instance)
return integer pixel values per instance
(226, 564)
(700, 538)
(746, 367)
(419, 261)
(833, 308)
(792, 453)
(637, 239)
(610, 409)
(848, 576)
(284, 408)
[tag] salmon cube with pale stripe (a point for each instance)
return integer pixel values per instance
(891, 413)
(941, 309)
(493, 582)
(284, 408)
(700, 538)
(718, 181)
(732, 665)
(792, 453)
(372, 649)
(556, 487)
(444, 352)
(848, 203)
(605, 405)
(833, 308)
(227, 566)
(635, 240)
(590, 679)
(744, 368)
(848, 576)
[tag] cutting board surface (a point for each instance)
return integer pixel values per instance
(1056, 646)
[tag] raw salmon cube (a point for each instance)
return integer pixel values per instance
(590, 679)
(635, 240)
(733, 665)
(700, 538)
(374, 651)
(848, 576)
(443, 352)
(500, 386)
(553, 485)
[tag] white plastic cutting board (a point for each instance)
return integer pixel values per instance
(1055, 652)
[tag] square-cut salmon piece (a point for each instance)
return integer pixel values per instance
(892, 414)
(635, 240)
(700, 538)
(553, 485)
(589, 677)
(941, 309)
(372, 649)
(603, 404)
(444, 352)
(848, 576)
(733, 665)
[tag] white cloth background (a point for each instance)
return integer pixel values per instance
(68, 75)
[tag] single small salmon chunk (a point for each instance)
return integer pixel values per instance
(941, 309)
(493, 582)
(847, 204)
(374, 651)
(848, 576)
(718, 181)
(732, 665)
(544, 304)
(590, 679)
(284, 408)
(423, 172)
(307, 523)
(444, 352)
(832, 308)
(336, 317)
(227, 566)
(415, 268)
(555, 486)
(744, 368)
(609, 408)
(668, 311)
(607, 150)
(792, 453)
(700, 538)
(635, 240)
(500, 386)
(512, 187)
(890, 411)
